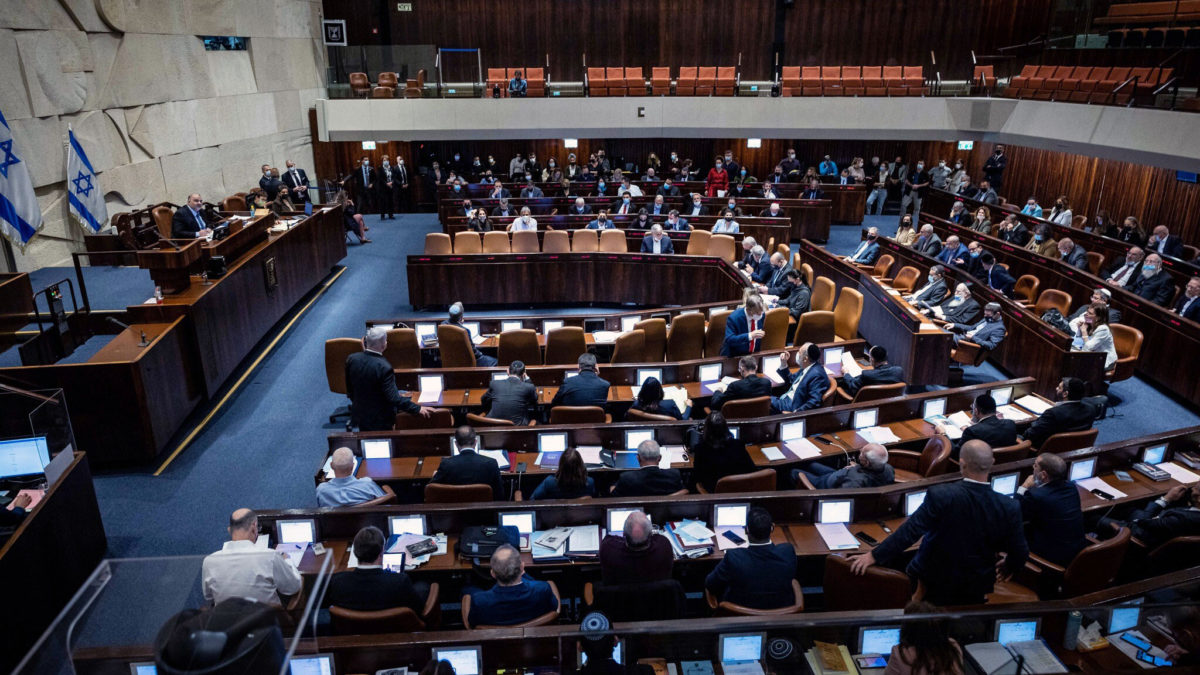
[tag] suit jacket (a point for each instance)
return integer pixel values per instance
(504, 193)
(999, 279)
(990, 333)
(509, 605)
(586, 388)
(648, 481)
(184, 225)
(737, 334)
(688, 209)
(665, 245)
(1158, 289)
(621, 565)
(888, 374)
(798, 299)
(1019, 236)
(270, 186)
(759, 576)
(372, 589)
(597, 225)
(747, 387)
(1193, 311)
(868, 255)
(1173, 247)
(761, 270)
(1154, 525)
(996, 432)
(812, 387)
(577, 211)
(777, 282)
(292, 183)
(667, 191)
(711, 464)
(371, 386)
(948, 255)
(1055, 518)
(932, 295)
(468, 468)
(1062, 417)
(929, 246)
(1077, 258)
(966, 312)
(813, 194)
(1133, 274)
(357, 177)
(510, 399)
(964, 525)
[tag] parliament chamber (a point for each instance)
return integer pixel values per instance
(797, 338)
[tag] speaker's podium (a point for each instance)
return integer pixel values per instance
(171, 262)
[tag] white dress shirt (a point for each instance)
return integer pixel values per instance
(520, 224)
(242, 570)
(1123, 276)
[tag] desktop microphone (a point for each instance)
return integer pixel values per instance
(119, 324)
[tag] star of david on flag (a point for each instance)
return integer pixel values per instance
(20, 215)
(84, 195)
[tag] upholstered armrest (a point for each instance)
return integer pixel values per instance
(802, 481)
(432, 611)
(885, 280)
(1040, 562)
(906, 460)
(700, 489)
(712, 601)
(589, 594)
(844, 395)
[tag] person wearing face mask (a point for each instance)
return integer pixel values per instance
(601, 222)
(677, 224)
(994, 167)
(958, 178)
(673, 166)
(828, 167)
(814, 190)
(1070, 413)
(1061, 213)
(987, 333)
(928, 242)
(1101, 224)
(282, 204)
(790, 165)
(1154, 283)
(531, 190)
(525, 222)
(585, 175)
(269, 182)
(1093, 335)
(696, 208)
(1073, 254)
(983, 220)
(731, 165)
(997, 276)
(1129, 231)
(985, 426)
(533, 168)
(1165, 243)
(716, 183)
(573, 169)
(601, 186)
(905, 234)
(855, 170)
(934, 290)
(553, 173)
(868, 251)
(776, 283)
(987, 194)
(1042, 243)
(457, 164)
(580, 208)
(939, 175)
(1013, 231)
(958, 308)
(757, 265)
(772, 211)
(624, 206)
(744, 328)
(504, 209)
(880, 372)
(1188, 304)
(386, 190)
(742, 180)
(726, 225)
(971, 263)
(688, 171)
(487, 178)
(516, 166)
(605, 166)
(468, 209)
(498, 191)
(1032, 208)
(642, 222)
(805, 388)
(297, 182)
(651, 176)
(658, 207)
(845, 178)
(668, 188)
(731, 205)
(351, 219)
(878, 187)
(479, 221)
(777, 176)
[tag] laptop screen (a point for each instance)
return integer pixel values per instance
(465, 660)
(296, 531)
(791, 431)
(912, 502)
(1155, 454)
(523, 521)
(430, 383)
(550, 324)
(317, 664)
(866, 418)
(710, 372)
(23, 456)
(377, 448)
(634, 437)
(1016, 630)
(834, 510)
(742, 648)
(412, 524)
(1083, 468)
(644, 374)
(511, 325)
(771, 364)
(933, 407)
(730, 515)
(552, 442)
(878, 639)
(616, 519)
(1006, 484)
(832, 355)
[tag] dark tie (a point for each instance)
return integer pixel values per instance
(295, 177)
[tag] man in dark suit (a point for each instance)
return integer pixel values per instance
(511, 398)
(649, 480)
(1127, 270)
(870, 470)
(985, 426)
(369, 587)
(1154, 283)
(601, 222)
(363, 180)
(997, 276)
(637, 555)
(1014, 231)
(1164, 243)
(958, 308)
(759, 265)
(659, 206)
(971, 263)
(868, 251)
(805, 388)
(1073, 254)
(371, 386)
(1175, 514)
(934, 290)
(951, 250)
(385, 190)
(759, 576)
(499, 191)
(1069, 414)
(668, 189)
(796, 295)
(881, 372)
(776, 283)
(586, 388)
(515, 598)
(190, 221)
(468, 467)
(657, 242)
(963, 526)
(455, 317)
(695, 208)
(1188, 305)
(269, 182)
(743, 329)
(814, 190)
(297, 182)
(579, 208)
(927, 241)
(1050, 504)
(749, 386)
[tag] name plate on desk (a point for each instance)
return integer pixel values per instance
(269, 277)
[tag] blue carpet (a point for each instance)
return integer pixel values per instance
(263, 448)
(107, 287)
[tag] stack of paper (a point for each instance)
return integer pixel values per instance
(293, 553)
(689, 537)
(849, 365)
(584, 542)
(430, 396)
(1037, 657)
(1097, 483)
(772, 453)
(1179, 473)
(604, 337)
(478, 339)
(590, 455)
(1033, 404)
(1011, 412)
(550, 545)
(837, 536)
(500, 456)
(991, 658)
(744, 668)
(879, 435)
(668, 453)
(802, 448)
(961, 419)
(826, 658)
(928, 326)
(678, 395)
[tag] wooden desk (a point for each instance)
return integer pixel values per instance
(923, 352)
(493, 323)
(569, 279)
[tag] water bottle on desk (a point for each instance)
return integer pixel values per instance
(158, 295)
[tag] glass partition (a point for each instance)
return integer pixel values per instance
(38, 412)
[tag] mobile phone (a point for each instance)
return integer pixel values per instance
(867, 538)
(318, 548)
(1153, 660)
(1123, 476)
(871, 662)
(733, 536)
(884, 526)
(1136, 641)
(1102, 494)
(823, 440)
(520, 467)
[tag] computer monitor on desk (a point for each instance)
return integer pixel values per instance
(742, 647)
(1082, 469)
(1155, 454)
(1006, 483)
(1016, 630)
(377, 448)
(912, 502)
(730, 515)
(616, 519)
(315, 664)
(831, 511)
(23, 457)
(634, 437)
(878, 639)
(552, 442)
(408, 524)
(465, 660)
(1124, 617)
(296, 531)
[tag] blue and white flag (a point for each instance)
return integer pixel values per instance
(20, 215)
(83, 189)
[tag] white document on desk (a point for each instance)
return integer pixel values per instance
(747, 668)
(879, 435)
(960, 419)
(1097, 483)
(928, 326)
(666, 455)
(478, 339)
(590, 454)
(429, 396)
(1179, 473)
(603, 337)
(500, 456)
(849, 365)
(584, 539)
(772, 453)
(677, 394)
(1033, 404)
(837, 536)
(802, 448)
(1011, 412)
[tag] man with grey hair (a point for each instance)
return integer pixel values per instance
(371, 386)
(344, 489)
(640, 555)
(580, 208)
(927, 241)
(748, 245)
(649, 480)
(868, 251)
(964, 527)
(758, 265)
(933, 292)
(657, 242)
(586, 388)
(243, 570)
(515, 598)
(455, 317)
(871, 470)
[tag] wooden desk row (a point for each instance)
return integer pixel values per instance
(529, 279)
(923, 350)
(1164, 332)
(1032, 347)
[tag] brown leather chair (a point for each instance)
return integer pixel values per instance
(815, 327)
(847, 314)
(1128, 344)
(548, 617)
(1026, 289)
(656, 338)
(723, 246)
(775, 325)
(873, 392)
(1069, 440)
(827, 399)
(747, 408)
(360, 84)
(968, 353)
(879, 588)
(519, 345)
(564, 345)
(882, 267)
(556, 241)
(1093, 569)
(585, 241)
(685, 339)
(388, 497)
(454, 343)
(726, 608)
(697, 242)
(467, 243)
(822, 295)
(1053, 298)
(613, 241)
(807, 271)
(439, 493)
(1172, 555)
(440, 418)
(387, 79)
(438, 243)
(934, 460)
(579, 414)
(496, 242)
(525, 241)
(762, 480)
(662, 600)
(1012, 453)
(1095, 261)
(162, 219)
(337, 351)
(383, 92)
(660, 81)
(1008, 592)
(394, 620)
(714, 333)
(906, 279)
(484, 421)
(234, 203)
(402, 351)
(642, 415)
(630, 347)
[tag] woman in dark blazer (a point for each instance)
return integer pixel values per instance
(650, 400)
(569, 482)
(716, 453)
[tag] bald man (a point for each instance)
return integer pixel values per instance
(190, 220)
(344, 489)
(636, 554)
(870, 470)
(963, 527)
(243, 570)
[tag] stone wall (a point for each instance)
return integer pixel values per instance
(158, 115)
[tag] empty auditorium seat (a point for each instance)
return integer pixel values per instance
(983, 79)
(383, 92)
(438, 243)
(790, 80)
(360, 84)
(467, 242)
(595, 82)
(686, 84)
(535, 79)
(660, 81)
(914, 79)
(635, 84)
(706, 79)
(615, 79)
(852, 83)
(893, 76)
(831, 80)
(726, 84)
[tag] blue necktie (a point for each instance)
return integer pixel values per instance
(198, 220)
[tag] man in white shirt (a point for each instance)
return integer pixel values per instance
(344, 489)
(632, 189)
(243, 570)
(525, 222)
(1127, 273)
(656, 242)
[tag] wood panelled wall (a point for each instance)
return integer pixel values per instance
(699, 32)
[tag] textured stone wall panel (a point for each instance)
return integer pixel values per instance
(54, 66)
(14, 99)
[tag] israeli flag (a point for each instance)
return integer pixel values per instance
(83, 189)
(20, 216)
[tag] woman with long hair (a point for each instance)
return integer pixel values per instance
(715, 452)
(352, 219)
(925, 648)
(570, 481)
(650, 400)
(983, 220)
